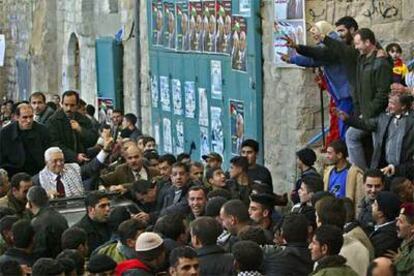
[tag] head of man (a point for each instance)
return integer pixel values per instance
(261, 207)
(327, 241)
(75, 238)
(239, 165)
(56, 99)
(172, 226)
(125, 144)
(149, 143)
(405, 221)
(204, 231)
(24, 116)
(38, 102)
(196, 171)
(250, 149)
(197, 200)
(129, 121)
(381, 266)
(97, 206)
(336, 152)
(385, 207)
(403, 188)
(184, 262)
(364, 41)
(373, 183)
(150, 249)
(330, 210)
(213, 160)
(117, 117)
(4, 182)
(133, 158)
(70, 102)
(20, 184)
(82, 107)
(36, 199)
(180, 175)
(346, 28)
(306, 157)
(399, 103)
(145, 191)
(295, 229)
(165, 163)
(55, 160)
(23, 233)
(216, 178)
(129, 231)
(248, 256)
(310, 185)
(6, 224)
(234, 215)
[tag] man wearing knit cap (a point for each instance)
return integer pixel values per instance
(385, 209)
(101, 265)
(404, 260)
(305, 159)
(150, 256)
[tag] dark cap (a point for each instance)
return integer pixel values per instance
(212, 155)
(307, 156)
(101, 263)
(388, 204)
(407, 209)
(267, 200)
(142, 186)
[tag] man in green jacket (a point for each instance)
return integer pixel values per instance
(325, 247)
(404, 260)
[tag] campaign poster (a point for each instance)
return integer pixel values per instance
(204, 141)
(167, 135)
(182, 22)
(169, 39)
(289, 22)
(223, 32)
(157, 24)
(245, 8)
(165, 94)
(190, 99)
(177, 97)
(179, 139)
(239, 50)
(216, 79)
(217, 136)
(156, 132)
(105, 108)
(203, 107)
(196, 38)
(236, 125)
(209, 26)
(155, 93)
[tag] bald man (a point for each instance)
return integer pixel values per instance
(381, 267)
(126, 174)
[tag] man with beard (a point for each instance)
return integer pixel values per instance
(404, 260)
(42, 111)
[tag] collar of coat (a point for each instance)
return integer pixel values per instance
(15, 130)
(330, 261)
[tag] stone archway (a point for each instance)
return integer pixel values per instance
(73, 71)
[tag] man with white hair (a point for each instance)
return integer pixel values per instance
(67, 180)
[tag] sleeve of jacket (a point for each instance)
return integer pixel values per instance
(88, 134)
(323, 54)
(110, 178)
(364, 124)
(305, 61)
(91, 168)
(56, 140)
(338, 50)
(382, 80)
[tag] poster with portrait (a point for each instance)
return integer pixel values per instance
(179, 137)
(203, 107)
(157, 24)
(155, 93)
(236, 125)
(105, 108)
(216, 79)
(239, 49)
(209, 26)
(223, 30)
(166, 135)
(204, 141)
(156, 132)
(177, 97)
(289, 21)
(217, 136)
(169, 36)
(190, 99)
(182, 15)
(196, 38)
(165, 94)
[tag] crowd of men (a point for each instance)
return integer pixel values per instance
(187, 217)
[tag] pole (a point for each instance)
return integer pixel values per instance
(322, 117)
(137, 33)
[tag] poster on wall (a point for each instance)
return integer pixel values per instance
(196, 38)
(239, 49)
(223, 33)
(179, 139)
(167, 137)
(236, 125)
(204, 141)
(209, 26)
(181, 8)
(2, 49)
(216, 79)
(190, 99)
(203, 107)
(165, 94)
(157, 24)
(155, 93)
(289, 21)
(217, 137)
(169, 35)
(156, 132)
(177, 98)
(105, 108)
(245, 7)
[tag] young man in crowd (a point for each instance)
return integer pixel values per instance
(256, 172)
(184, 262)
(248, 258)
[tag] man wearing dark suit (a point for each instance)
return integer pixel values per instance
(42, 111)
(70, 130)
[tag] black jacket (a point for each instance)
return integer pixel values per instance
(98, 233)
(49, 226)
(385, 238)
(46, 114)
(214, 261)
(70, 141)
(13, 152)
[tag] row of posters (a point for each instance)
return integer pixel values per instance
(202, 26)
